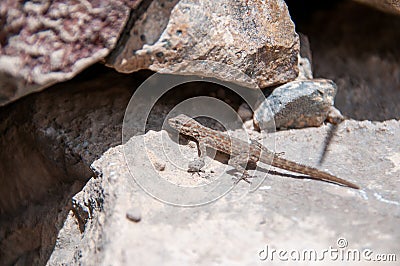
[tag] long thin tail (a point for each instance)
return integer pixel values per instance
(310, 171)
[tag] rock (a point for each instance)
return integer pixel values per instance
(297, 104)
(255, 37)
(48, 141)
(53, 213)
(66, 128)
(305, 59)
(245, 112)
(390, 6)
(317, 209)
(45, 42)
(133, 215)
(334, 116)
(158, 164)
(48, 42)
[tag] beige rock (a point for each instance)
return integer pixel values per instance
(255, 37)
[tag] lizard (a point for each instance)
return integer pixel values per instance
(242, 152)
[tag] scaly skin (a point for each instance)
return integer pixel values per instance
(242, 152)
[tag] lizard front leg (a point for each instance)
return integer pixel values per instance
(196, 165)
(237, 162)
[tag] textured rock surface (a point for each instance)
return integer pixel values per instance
(50, 41)
(297, 104)
(286, 213)
(257, 38)
(391, 6)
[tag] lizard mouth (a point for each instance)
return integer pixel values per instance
(175, 124)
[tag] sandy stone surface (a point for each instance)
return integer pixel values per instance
(287, 212)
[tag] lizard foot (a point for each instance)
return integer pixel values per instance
(196, 165)
(245, 177)
(196, 172)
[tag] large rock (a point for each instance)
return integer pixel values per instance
(45, 42)
(122, 225)
(50, 137)
(255, 37)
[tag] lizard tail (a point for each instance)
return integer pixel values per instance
(310, 171)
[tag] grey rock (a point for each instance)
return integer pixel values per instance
(297, 104)
(133, 215)
(334, 116)
(244, 112)
(48, 42)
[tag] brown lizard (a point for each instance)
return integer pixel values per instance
(241, 152)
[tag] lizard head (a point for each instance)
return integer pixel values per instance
(187, 126)
(180, 122)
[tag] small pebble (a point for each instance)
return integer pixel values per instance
(133, 215)
(192, 144)
(158, 164)
(245, 112)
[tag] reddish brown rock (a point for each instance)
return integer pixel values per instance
(50, 41)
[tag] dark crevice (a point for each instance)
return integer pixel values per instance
(355, 46)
